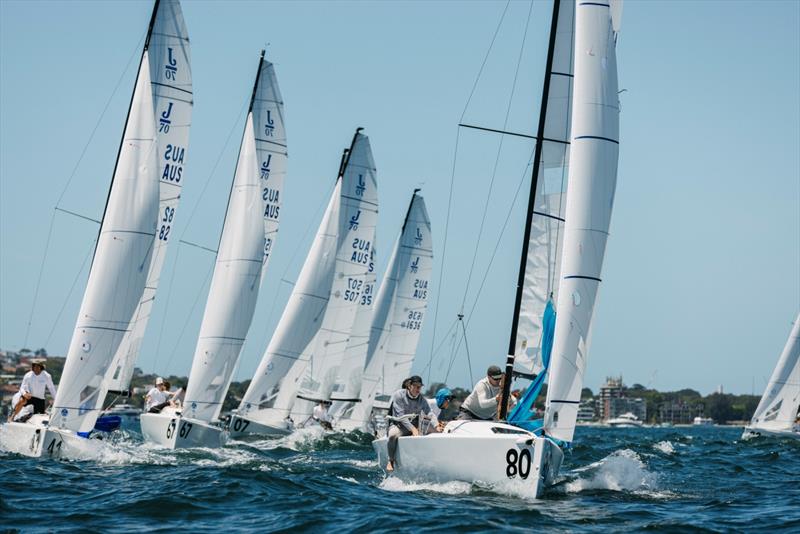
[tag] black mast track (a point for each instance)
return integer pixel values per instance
(124, 128)
(347, 153)
(408, 212)
(531, 204)
(233, 181)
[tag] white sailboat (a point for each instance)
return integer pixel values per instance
(384, 356)
(778, 413)
(299, 366)
(124, 253)
(494, 452)
(248, 235)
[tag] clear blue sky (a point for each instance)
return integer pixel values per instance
(702, 271)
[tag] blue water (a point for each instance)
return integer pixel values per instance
(655, 479)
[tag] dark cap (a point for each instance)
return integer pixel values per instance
(416, 379)
(494, 372)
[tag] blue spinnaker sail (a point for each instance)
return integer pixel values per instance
(521, 414)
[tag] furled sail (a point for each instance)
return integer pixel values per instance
(316, 322)
(547, 218)
(778, 409)
(119, 269)
(248, 234)
(590, 197)
(168, 62)
(400, 309)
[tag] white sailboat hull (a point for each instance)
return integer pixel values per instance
(484, 456)
(174, 431)
(242, 426)
(751, 432)
(35, 439)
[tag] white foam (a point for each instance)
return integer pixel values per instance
(665, 446)
(619, 471)
(301, 438)
(448, 488)
(348, 479)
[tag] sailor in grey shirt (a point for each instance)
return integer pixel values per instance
(405, 402)
(482, 402)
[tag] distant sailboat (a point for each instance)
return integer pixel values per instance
(494, 452)
(300, 364)
(778, 413)
(248, 235)
(382, 359)
(125, 249)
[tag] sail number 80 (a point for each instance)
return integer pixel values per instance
(518, 463)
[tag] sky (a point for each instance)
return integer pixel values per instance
(701, 280)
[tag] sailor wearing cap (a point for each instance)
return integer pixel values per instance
(482, 402)
(405, 402)
(33, 388)
(439, 403)
(157, 397)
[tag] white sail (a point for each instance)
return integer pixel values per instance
(316, 322)
(778, 409)
(400, 310)
(590, 198)
(119, 269)
(248, 234)
(543, 262)
(168, 60)
(347, 387)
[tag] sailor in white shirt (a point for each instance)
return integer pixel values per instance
(321, 416)
(33, 389)
(157, 396)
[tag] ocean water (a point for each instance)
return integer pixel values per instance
(656, 479)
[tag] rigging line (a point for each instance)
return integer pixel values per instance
(69, 181)
(441, 344)
(497, 157)
(188, 318)
(71, 289)
(429, 366)
(466, 346)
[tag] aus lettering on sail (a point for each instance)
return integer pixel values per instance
(272, 206)
(362, 250)
(173, 161)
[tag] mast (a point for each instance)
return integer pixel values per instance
(127, 118)
(529, 212)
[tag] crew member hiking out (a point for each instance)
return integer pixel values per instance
(405, 402)
(33, 388)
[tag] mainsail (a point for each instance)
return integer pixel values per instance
(543, 260)
(125, 248)
(167, 57)
(590, 198)
(778, 409)
(316, 322)
(400, 309)
(248, 234)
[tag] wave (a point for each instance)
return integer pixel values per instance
(621, 470)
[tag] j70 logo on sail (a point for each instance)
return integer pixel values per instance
(269, 128)
(354, 220)
(361, 186)
(418, 238)
(415, 265)
(171, 68)
(165, 121)
(265, 167)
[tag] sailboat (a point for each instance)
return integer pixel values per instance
(778, 412)
(300, 364)
(494, 452)
(132, 224)
(246, 242)
(381, 357)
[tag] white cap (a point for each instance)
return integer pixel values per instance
(159, 380)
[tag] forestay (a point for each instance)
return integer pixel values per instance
(400, 309)
(119, 269)
(248, 234)
(547, 218)
(316, 322)
(168, 62)
(779, 405)
(590, 197)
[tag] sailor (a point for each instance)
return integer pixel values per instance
(438, 404)
(33, 388)
(157, 398)
(482, 403)
(321, 416)
(405, 402)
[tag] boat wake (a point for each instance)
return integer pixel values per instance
(447, 488)
(621, 470)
